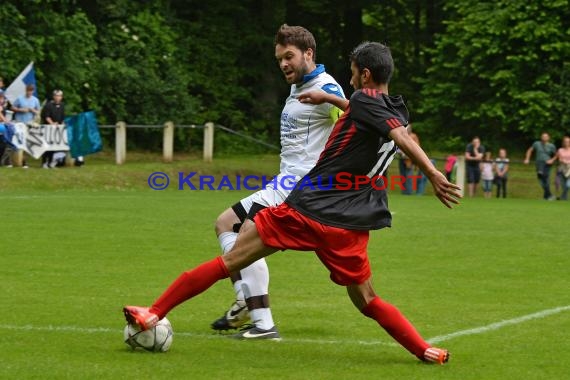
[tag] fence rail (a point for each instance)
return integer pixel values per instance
(168, 138)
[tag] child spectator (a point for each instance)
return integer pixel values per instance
(449, 166)
(487, 174)
(501, 170)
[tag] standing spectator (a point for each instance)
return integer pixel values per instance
(487, 174)
(450, 162)
(406, 165)
(26, 107)
(501, 171)
(52, 113)
(4, 107)
(563, 156)
(545, 152)
(473, 156)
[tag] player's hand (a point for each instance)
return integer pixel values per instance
(313, 97)
(526, 162)
(445, 191)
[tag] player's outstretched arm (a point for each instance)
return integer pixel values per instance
(445, 191)
(320, 97)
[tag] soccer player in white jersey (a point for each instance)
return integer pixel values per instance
(305, 129)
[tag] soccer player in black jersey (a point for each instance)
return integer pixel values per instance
(333, 220)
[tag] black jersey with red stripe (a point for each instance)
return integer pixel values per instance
(345, 188)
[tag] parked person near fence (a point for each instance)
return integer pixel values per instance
(487, 174)
(563, 157)
(544, 154)
(53, 113)
(473, 156)
(501, 172)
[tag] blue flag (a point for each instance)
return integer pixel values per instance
(18, 86)
(83, 134)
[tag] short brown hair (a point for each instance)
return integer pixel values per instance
(30, 87)
(296, 36)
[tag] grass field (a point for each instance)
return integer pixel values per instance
(77, 244)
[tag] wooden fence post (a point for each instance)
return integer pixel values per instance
(460, 173)
(208, 142)
(168, 141)
(120, 142)
(18, 157)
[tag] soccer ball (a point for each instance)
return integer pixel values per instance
(156, 339)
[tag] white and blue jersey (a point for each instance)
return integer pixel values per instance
(305, 128)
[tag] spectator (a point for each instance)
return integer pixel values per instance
(52, 113)
(26, 107)
(563, 156)
(501, 172)
(473, 156)
(544, 154)
(450, 162)
(406, 165)
(4, 107)
(422, 180)
(487, 174)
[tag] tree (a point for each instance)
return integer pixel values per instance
(499, 70)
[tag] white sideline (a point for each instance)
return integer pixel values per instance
(500, 324)
(436, 339)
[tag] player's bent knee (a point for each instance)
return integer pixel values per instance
(361, 295)
(226, 221)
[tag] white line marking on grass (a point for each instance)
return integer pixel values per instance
(501, 324)
(436, 339)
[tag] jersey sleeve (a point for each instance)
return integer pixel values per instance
(335, 89)
(369, 112)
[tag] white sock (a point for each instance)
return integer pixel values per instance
(255, 282)
(227, 241)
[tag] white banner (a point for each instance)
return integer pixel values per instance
(37, 140)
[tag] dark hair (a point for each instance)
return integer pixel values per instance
(30, 87)
(375, 57)
(296, 36)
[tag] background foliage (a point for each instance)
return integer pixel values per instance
(498, 69)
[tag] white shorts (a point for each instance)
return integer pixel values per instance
(274, 193)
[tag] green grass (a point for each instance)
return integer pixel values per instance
(101, 173)
(77, 244)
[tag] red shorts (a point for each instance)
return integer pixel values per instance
(342, 251)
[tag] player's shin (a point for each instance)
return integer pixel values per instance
(227, 241)
(395, 324)
(190, 284)
(255, 287)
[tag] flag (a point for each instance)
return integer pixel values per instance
(18, 86)
(83, 134)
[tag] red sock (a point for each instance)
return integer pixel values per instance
(395, 324)
(190, 284)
